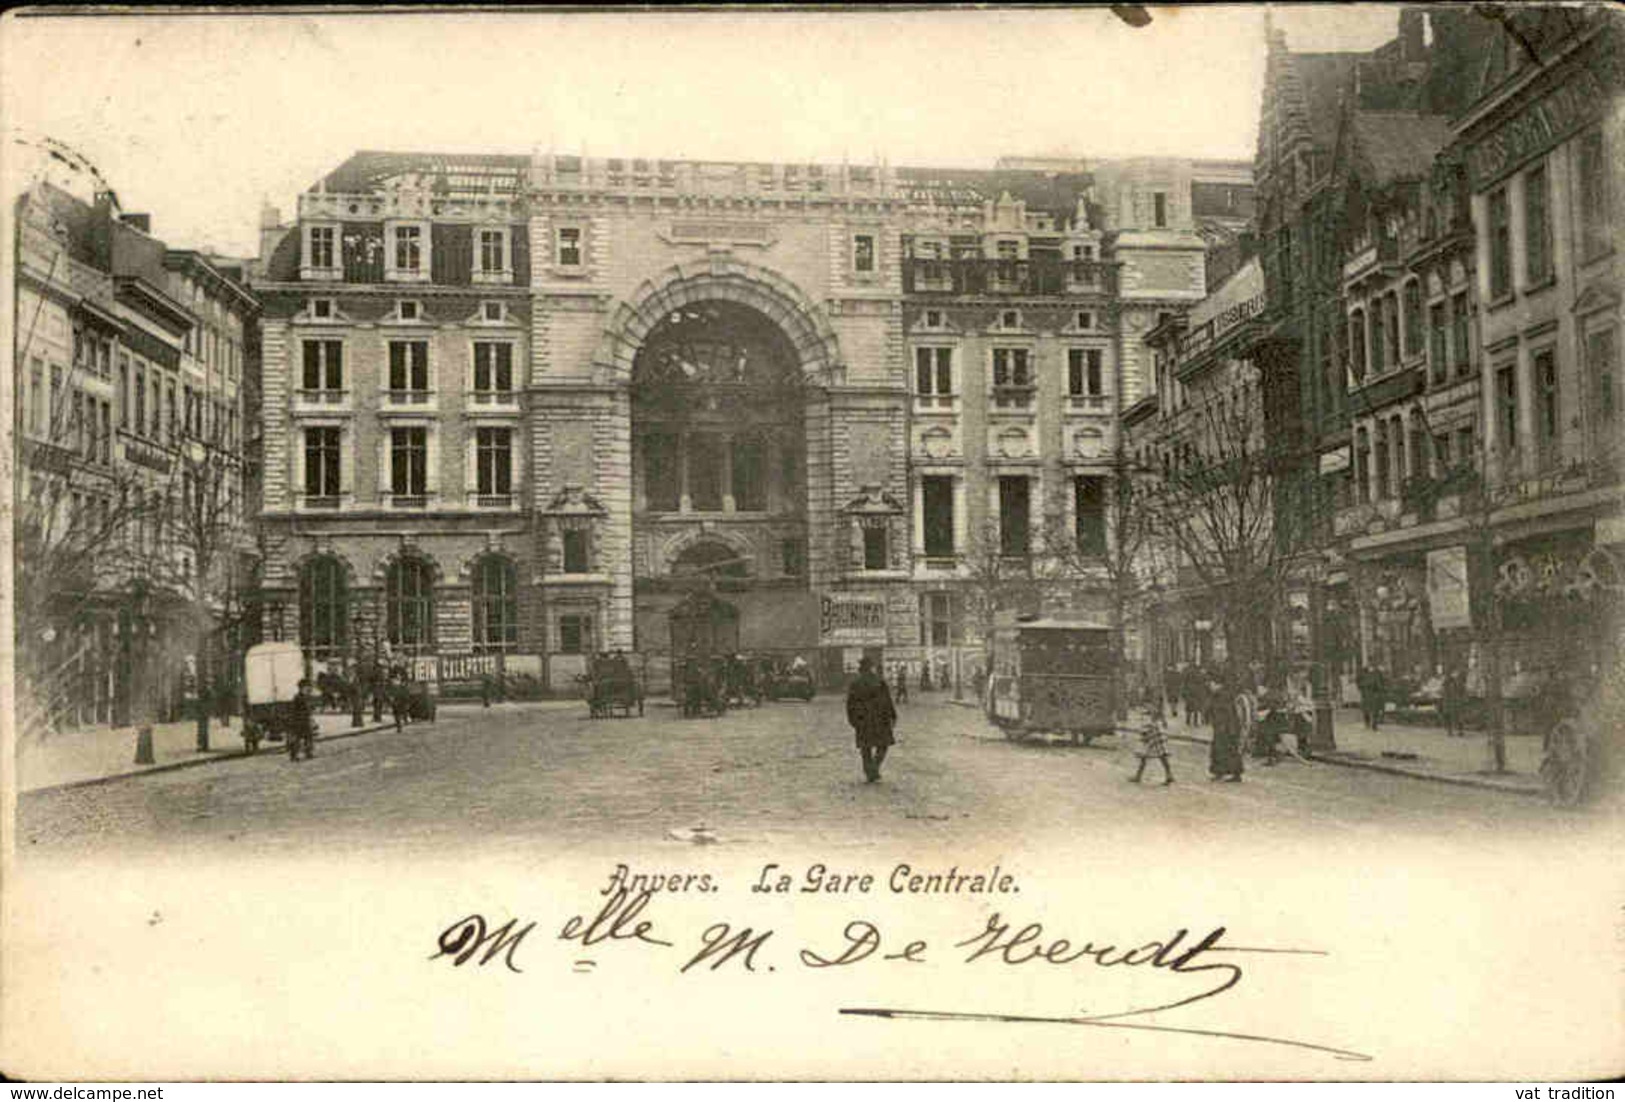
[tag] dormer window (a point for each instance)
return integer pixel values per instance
(1086, 320)
(321, 309)
(407, 310)
(321, 252)
(1010, 319)
(493, 258)
(1083, 252)
(491, 311)
(933, 319)
(406, 251)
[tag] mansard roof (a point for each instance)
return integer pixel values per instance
(1049, 192)
(454, 175)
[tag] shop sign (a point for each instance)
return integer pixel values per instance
(1333, 461)
(1448, 594)
(1538, 128)
(851, 621)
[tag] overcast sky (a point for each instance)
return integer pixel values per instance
(197, 119)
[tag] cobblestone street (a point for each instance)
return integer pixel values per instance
(783, 773)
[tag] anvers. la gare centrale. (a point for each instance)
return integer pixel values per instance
(903, 879)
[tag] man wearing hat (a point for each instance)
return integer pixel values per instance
(870, 712)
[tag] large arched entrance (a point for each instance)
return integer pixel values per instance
(719, 461)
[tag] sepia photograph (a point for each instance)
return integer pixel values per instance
(816, 543)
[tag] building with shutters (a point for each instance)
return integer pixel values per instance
(547, 406)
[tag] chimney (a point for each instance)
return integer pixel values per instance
(1412, 34)
(270, 217)
(142, 222)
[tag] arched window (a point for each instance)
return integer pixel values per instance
(409, 605)
(323, 607)
(496, 605)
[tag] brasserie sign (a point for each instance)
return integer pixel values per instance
(1582, 98)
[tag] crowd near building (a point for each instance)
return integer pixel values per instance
(514, 410)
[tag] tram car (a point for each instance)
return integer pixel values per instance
(1053, 677)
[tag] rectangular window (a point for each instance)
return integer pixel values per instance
(493, 448)
(1596, 229)
(1362, 466)
(1439, 350)
(1381, 460)
(934, 372)
(794, 555)
(1500, 243)
(1089, 502)
(1390, 328)
(1441, 451)
(324, 366)
(937, 505)
(1159, 209)
(1413, 318)
(1083, 372)
(107, 433)
(1464, 446)
(1014, 515)
(1600, 364)
(874, 547)
(409, 371)
(749, 474)
(1460, 349)
(174, 410)
(569, 247)
(1506, 399)
(1548, 413)
(1379, 339)
(1537, 229)
(321, 247)
(123, 392)
(408, 462)
(493, 368)
(575, 551)
(408, 248)
(705, 472)
(1012, 378)
(140, 400)
(1357, 345)
(157, 427)
(863, 253)
(575, 633)
(660, 472)
(322, 462)
(493, 252)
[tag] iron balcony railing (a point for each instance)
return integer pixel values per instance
(991, 276)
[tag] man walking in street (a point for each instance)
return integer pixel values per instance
(870, 712)
(902, 684)
(1453, 698)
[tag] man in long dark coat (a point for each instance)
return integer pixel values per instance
(870, 712)
(1224, 755)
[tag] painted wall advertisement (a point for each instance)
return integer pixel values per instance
(1447, 588)
(851, 621)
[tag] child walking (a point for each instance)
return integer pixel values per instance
(1154, 744)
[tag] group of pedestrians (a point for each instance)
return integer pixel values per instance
(1245, 709)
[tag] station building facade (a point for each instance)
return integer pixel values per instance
(547, 406)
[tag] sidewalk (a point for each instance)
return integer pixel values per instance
(96, 754)
(1429, 753)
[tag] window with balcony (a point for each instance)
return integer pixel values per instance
(1506, 405)
(1084, 376)
(409, 466)
(1413, 318)
(1596, 221)
(322, 471)
(1548, 412)
(493, 464)
(1089, 509)
(937, 508)
(1012, 378)
(408, 372)
(1015, 502)
(323, 376)
(493, 372)
(1537, 229)
(1500, 244)
(1602, 366)
(934, 377)
(1439, 344)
